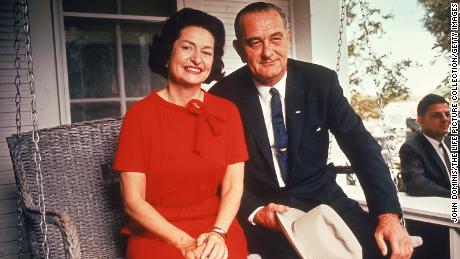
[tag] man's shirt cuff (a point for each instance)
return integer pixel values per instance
(253, 214)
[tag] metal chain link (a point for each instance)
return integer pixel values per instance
(339, 41)
(17, 100)
(17, 64)
(35, 136)
(337, 65)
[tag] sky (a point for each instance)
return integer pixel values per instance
(406, 37)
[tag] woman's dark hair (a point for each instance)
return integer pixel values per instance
(160, 51)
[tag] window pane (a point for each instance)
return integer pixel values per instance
(130, 103)
(148, 7)
(130, 7)
(91, 59)
(90, 6)
(92, 111)
(136, 38)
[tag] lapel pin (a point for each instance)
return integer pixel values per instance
(318, 129)
(298, 112)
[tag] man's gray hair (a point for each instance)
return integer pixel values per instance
(255, 8)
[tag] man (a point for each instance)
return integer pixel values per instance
(287, 165)
(425, 164)
(425, 170)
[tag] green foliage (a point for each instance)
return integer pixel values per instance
(365, 105)
(437, 21)
(366, 65)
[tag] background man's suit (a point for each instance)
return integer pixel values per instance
(424, 174)
(422, 170)
(314, 105)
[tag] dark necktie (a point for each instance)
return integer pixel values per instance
(280, 134)
(446, 157)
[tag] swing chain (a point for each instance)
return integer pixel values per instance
(340, 40)
(365, 17)
(35, 135)
(337, 65)
(17, 65)
(17, 100)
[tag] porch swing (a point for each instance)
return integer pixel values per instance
(70, 166)
(82, 214)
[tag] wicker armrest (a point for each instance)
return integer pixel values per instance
(63, 221)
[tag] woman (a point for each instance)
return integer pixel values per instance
(181, 151)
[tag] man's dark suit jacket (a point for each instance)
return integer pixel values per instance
(314, 105)
(422, 170)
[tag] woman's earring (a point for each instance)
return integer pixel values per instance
(167, 64)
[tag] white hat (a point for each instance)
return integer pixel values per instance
(319, 234)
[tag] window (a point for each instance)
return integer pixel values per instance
(107, 46)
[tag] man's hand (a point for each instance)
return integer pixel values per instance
(390, 229)
(266, 216)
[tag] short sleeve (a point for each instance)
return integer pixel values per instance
(236, 150)
(130, 156)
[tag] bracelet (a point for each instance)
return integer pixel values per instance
(220, 232)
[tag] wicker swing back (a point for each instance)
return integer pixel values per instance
(82, 195)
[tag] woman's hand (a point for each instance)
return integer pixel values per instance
(214, 246)
(189, 248)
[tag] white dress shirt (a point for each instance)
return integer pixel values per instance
(265, 99)
(438, 149)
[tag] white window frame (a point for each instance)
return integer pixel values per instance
(61, 57)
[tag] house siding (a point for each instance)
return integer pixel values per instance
(8, 192)
(226, 11)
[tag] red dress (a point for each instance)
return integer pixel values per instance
(184, 153)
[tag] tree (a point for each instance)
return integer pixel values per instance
(369, 69)
(365, 105)
(437, 21)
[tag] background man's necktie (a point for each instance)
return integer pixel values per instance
(446, 157)
(280, 133)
